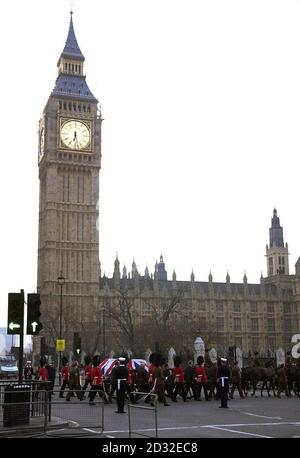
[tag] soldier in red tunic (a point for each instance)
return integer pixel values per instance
(87, 373)
(178, 380)
(65, 374)
(201, 379)
(97, 382)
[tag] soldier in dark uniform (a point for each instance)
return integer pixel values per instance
(256, 362)
(236, 381)
(223, 382)
(121, 375)
(282, 381)
(190, 376)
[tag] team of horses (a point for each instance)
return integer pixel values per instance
(265, 378)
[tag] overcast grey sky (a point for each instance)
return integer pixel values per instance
(200, 101)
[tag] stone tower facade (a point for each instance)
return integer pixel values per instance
(69, 163)
(276, 252)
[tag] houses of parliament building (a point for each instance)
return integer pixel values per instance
(258, 317)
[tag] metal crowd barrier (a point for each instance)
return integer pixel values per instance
(76, 417)
(139, 414)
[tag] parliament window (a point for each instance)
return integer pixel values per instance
(236, 307)
(237, 324)
(219, 307)
(201, 307)
(253, 307)
(254, 324)
(220, 323)
(270, 308)
(255, 343)
(287, 308)
(287, 324)
(271, 325)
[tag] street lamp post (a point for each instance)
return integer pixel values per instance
(61, 281)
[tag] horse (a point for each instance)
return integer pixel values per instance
(293, 377)
(266, 375)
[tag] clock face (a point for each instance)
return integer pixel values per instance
(75, 134)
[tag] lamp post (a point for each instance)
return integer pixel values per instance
(61, 281)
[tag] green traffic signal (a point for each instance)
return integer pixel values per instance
(76, 343)
(34, 326)
(15, 313)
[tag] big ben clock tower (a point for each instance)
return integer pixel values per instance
(69, 162)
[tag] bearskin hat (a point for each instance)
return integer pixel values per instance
(200, 360)
(96, 360)
(42, 361)
(87, 359)
(64, 360)
(177, 361)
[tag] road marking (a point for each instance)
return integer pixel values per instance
(239, 432)
(92, 431)
(261, 416)
(295, 423)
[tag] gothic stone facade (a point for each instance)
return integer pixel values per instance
(69, 164)
(256, 317)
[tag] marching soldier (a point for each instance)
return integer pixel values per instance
(87, 373)
(282, 381)
(65, 374)
(121, 375)
(223, 382)
(190, 376)
(178, 380)
(74, 382)
(97, 382)
(236, 381)
(201, 379)
(256, 362)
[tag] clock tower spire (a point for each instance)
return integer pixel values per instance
(69, 165)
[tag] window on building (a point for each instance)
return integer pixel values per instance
(270, 308)
(271, 343)
(270, 265)
(237, 325)
(287, 324)
(236, 307)
(271, 325)
(254, 324)
(253, 307)
(287, 308)
(220, 323)
(201, 307)
(220, 307)
(255, 343)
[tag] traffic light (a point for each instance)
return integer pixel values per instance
(34, 326)
(76, 344)
(15, 313)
